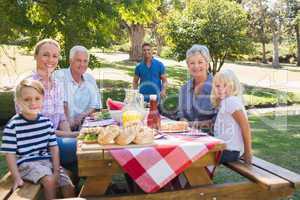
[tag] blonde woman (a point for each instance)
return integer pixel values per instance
(231, 124)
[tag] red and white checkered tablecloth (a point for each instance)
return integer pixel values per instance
(153, 167)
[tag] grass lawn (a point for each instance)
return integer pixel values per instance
(275, 139)
(178, 75)
(278, 144)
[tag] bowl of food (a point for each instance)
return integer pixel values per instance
(116, 115)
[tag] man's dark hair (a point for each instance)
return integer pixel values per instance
(146, 44)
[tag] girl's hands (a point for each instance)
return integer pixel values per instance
(247, 156)
(18, 183)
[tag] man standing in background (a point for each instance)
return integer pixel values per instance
(150, 75)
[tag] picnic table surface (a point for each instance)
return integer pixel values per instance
(98, 166)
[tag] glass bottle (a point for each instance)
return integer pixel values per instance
(153, 118)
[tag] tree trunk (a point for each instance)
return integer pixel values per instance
(136, 36)
(264, 59)
(298, 43)
(159, 43)
(275, 62)
(70, 41)
(215, 65)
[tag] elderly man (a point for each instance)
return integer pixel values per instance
(150, 74)
(82, 95)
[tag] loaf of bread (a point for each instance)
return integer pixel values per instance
(108, 134)
(127, 135)
(145, 135)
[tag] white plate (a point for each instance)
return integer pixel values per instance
(175, 131)
(192, 133)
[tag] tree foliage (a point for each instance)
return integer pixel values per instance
(258, 21)
(89, 23)
(221, 25)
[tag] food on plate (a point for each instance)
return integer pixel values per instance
(94, 130)
(174, 126)
(127, 135)
(109, 134)
(89, 135)
(114, 105)
(131, 117)
(113, 134)
(144, 135)
(101, 115)
(81, 136)
(90, 138)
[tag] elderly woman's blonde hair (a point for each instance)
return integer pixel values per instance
(37, 85)
(228, 77)
(42, 42)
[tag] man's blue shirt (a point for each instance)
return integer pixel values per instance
(150, 82)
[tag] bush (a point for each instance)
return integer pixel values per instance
(7, 106)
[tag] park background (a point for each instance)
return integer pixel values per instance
(258, 39)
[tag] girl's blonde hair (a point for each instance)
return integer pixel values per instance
(42, 42)
(226, 76)
(37, 85)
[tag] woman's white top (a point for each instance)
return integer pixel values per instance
(226, 128)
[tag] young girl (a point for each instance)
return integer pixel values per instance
(231, 124)
(29, 143)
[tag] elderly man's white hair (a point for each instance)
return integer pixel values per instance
(196, 49)
(78, 49)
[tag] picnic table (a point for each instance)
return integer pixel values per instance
(194, 153)
(265, 180)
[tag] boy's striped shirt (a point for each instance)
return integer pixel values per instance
(29, 140)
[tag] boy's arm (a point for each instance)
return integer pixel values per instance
(13, 168)
(55, 160)
(241, 119)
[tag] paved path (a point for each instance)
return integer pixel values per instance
(282, 79)
(278, 111)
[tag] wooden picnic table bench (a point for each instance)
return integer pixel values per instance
(27, 191)
(267, 181)
(274, 181)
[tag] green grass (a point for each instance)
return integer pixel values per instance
(177, 76)
(275, 139)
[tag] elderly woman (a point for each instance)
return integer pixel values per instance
(194, 97)
(47, 54)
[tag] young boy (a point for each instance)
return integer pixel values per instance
(29, 144)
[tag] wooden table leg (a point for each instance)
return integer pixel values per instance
(197, 176)
(95, 186)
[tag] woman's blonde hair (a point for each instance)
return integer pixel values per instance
(42, 42)
(37, 85)
(226, 76)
